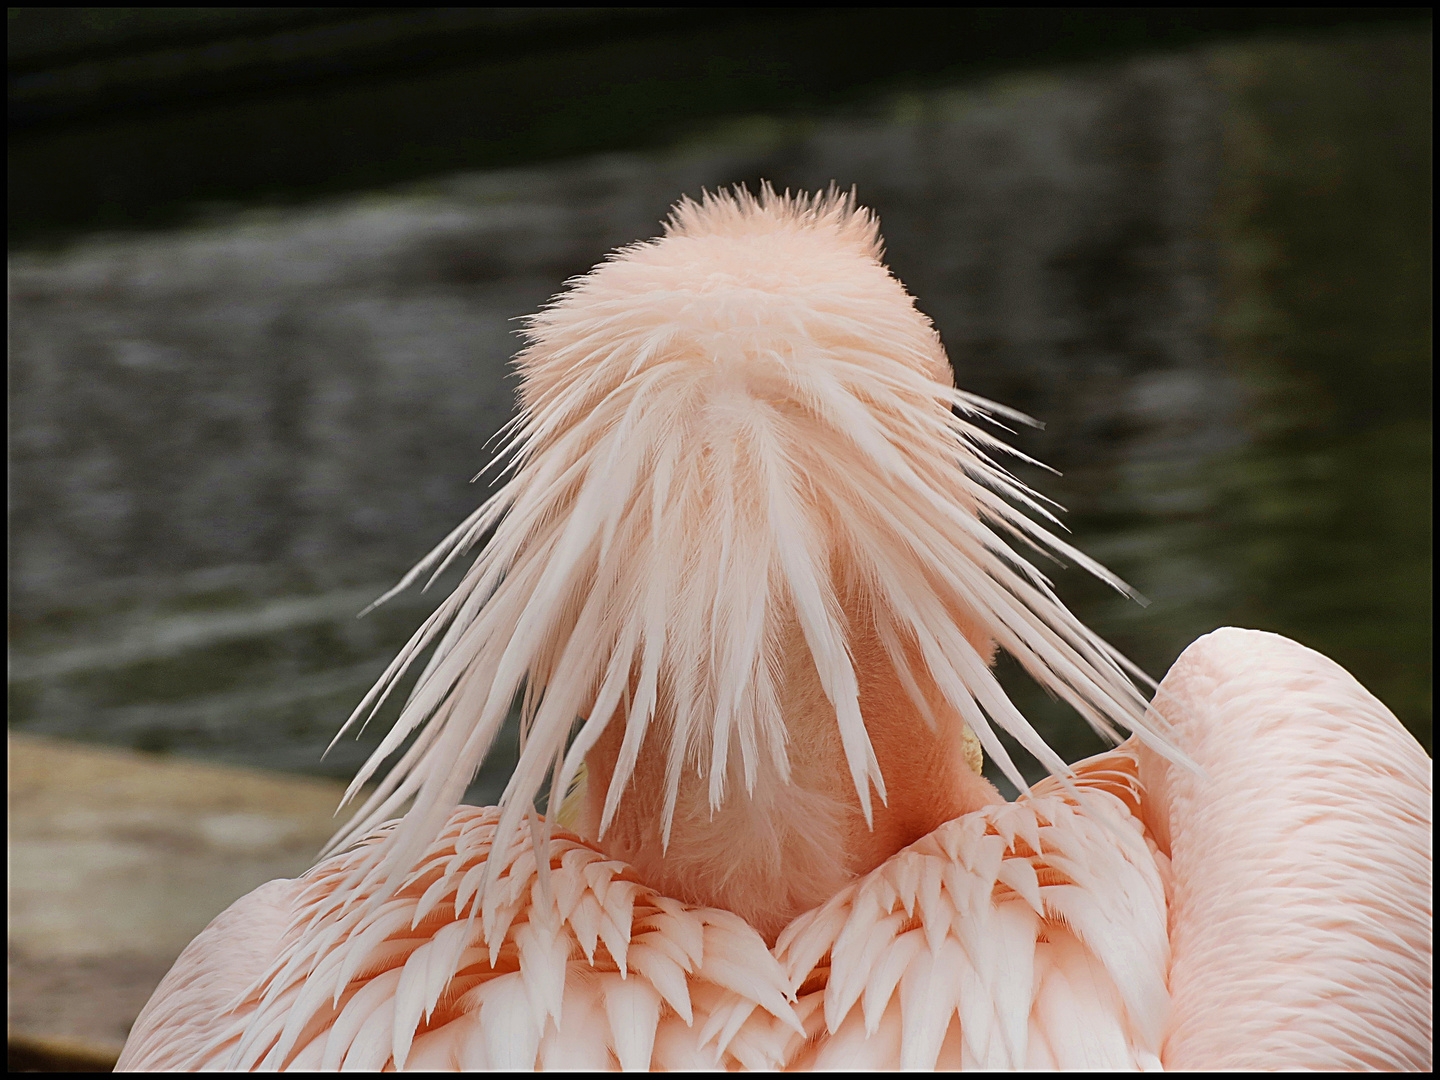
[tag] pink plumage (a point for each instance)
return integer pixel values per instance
(750, 572)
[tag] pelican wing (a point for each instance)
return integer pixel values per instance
(1301, 925)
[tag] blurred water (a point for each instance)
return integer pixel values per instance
(1206, 273)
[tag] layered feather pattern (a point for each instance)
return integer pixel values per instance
(582, 968)
(1026, 934)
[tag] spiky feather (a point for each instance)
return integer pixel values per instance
(722, 430)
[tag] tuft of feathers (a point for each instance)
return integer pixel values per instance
(725, 431)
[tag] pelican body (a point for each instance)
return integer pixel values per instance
(747, 578)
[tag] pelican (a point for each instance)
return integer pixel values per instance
(747, 577)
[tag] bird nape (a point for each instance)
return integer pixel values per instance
(751, 569)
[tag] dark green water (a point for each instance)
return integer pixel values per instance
(1316, 523)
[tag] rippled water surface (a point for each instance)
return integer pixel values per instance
(1206, 273)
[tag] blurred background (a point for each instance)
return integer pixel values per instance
(265, 264)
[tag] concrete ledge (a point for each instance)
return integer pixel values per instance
(117, 860)
(24, 1054)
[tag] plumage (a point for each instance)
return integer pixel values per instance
(747, 577)
(1324, 810)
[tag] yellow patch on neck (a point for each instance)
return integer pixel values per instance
(973, 757)
(569, 813)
